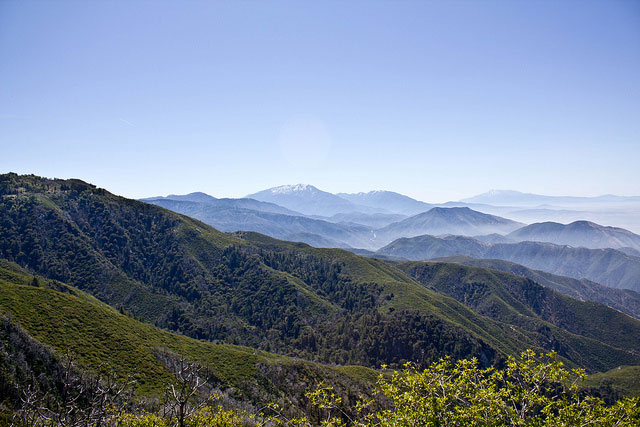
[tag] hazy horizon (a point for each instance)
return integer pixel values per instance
(436, 100)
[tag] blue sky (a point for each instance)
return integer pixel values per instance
(437, 100)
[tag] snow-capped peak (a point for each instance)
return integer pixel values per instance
(286, 189)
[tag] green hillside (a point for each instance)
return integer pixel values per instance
(625, 378)
(625, 300)
(100, 338)
(563, 322)
(325, 305)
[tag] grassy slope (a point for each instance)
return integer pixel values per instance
(99, 337)
(626, 378)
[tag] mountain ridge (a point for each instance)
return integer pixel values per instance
(439, 220)
(310, 200)
(179, 273)
(510, 197)
(578, 233)
(388, 200)
(608, 267)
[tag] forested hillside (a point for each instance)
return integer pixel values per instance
(321, 304)
(625, 300)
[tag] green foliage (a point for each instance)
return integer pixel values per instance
(208, 416)
(533, 390)
(103, 340)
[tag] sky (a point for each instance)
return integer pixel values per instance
(436, 100)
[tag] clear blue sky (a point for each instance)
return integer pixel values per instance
(438, 100)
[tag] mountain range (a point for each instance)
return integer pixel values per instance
(262, 218)
(463, 221)
(132, 286)
(371, 231)
(579, 233)
(388, 201)
(324, 305)
(608, 267)
(354, 229)
(517, 198)
(309, 200)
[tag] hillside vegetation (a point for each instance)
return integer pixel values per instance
(325, 305)
(102, 340)
(625, 300)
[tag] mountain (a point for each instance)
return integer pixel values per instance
(182, 275)
(225, 203)
(315, 240)
(315, 232)
(389, 201)
(494, 238)
(625, 300)
(516, 198)
(620, 214)
(309, 200)
(605, 266)
(579, 233)
(630, 251)
(374, 220)
(430, 247)
(437, 221)
(42, 319)
(521, 301)
(325, 305)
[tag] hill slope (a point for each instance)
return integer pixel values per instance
(625, 300)
(101, 339)
(521, 302)
(183, 275)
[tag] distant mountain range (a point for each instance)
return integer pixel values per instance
(579, 233)
(243, 203)
(516, 198)
(388, 201)
(309, 200)
(345, 230)
(325, 305)
(374, 219)
(294, 227)
(463, 221)
(609, 267)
